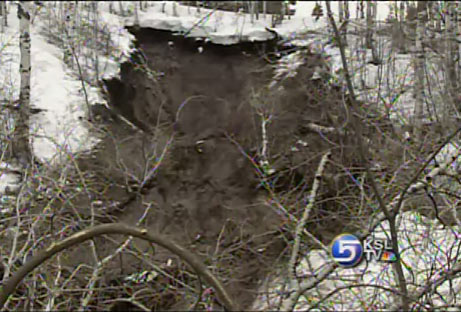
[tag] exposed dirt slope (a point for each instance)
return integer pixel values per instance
(207, 193)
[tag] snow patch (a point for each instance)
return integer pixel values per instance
(9, 178)
(230, 27)
(424, 246)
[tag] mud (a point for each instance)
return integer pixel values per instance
(197, 114)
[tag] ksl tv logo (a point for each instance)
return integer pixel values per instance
(348, 251)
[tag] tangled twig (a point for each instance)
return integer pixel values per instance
(117, 228)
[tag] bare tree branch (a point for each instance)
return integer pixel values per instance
(117, 228)
(363, 155)
(307, 210)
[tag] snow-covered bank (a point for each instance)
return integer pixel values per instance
(58, 130)
(55, 89)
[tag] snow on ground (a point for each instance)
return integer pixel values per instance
(390, 85)
(223, 27)
(122, 39)
(58, 127)
(53, 89)
(57, 131)
(394, 95)
(56, 90)
(425, 247)
(9, 179)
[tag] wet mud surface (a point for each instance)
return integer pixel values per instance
(196, 118)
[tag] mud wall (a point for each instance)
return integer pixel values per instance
(208, 190)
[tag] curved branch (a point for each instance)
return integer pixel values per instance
(117, 228)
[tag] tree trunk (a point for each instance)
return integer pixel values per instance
(402, 12)
(287, 9)
(451, 82)
(21, 146)
(371, 18)
(175, 10)
(122, 11)
(369, 33)
(5, 20)
(345, 20)
(96, 39)
(62, 20)
(136, 16)
(4, 15)
(347, 14)
(264, 10)
(396, 10)
(374, 11)
(75, 23)
(341, 11)
(430, 15)
(438, 20)
(457, 46)
(70, 32)
(283, 11)
(251, 8)
(418, 67)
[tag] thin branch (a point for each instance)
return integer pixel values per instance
(290, 303)
(349, 287)
(363, 155)
(318, 128)
(412, 186)
(100, 264)
(80, 72)
(302, 222)
(117, 228)
(431, 286)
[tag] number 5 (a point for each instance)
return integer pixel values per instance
(347, 245)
